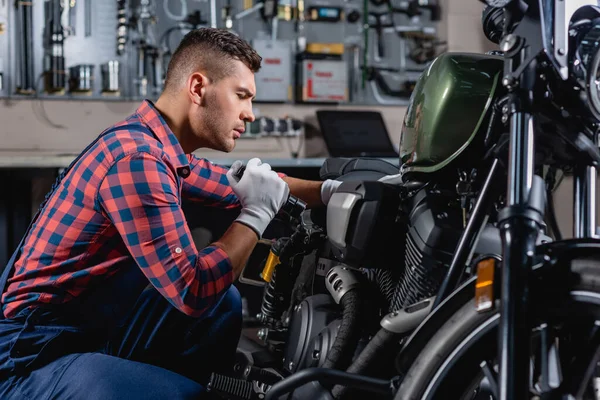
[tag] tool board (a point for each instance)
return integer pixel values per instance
(91, 27)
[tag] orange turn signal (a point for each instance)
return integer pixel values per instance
(484, 286)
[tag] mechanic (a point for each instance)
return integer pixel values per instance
(107, 296)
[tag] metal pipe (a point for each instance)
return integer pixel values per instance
(88, 18)
(520, 168)
(468, 239)
(24, 20)
(213, 13)
(142, 78)
(584, 202)
(519, 232)
(274, 27)
(54, 70)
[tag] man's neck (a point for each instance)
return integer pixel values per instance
(175, 115)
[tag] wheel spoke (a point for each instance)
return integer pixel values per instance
(550, 369)
(584, 365)
(492, 378)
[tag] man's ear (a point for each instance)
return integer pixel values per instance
(197, 87)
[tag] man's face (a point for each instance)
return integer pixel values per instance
(225, 108)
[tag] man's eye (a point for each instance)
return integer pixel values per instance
(242, 96)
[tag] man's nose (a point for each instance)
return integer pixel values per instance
(248, 115)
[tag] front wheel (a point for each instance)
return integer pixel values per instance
(460, 360)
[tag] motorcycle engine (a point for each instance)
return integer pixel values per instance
(408, 243)
(403, 245)
(314, 324)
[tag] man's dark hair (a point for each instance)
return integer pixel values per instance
(212, 51)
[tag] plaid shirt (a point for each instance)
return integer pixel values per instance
(122, 202)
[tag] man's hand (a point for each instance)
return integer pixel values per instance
(261, 192)
(328, 188)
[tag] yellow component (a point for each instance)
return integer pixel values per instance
(301, 10)
(247, 4)
(325, 48)
(270, 264)
(484, 286)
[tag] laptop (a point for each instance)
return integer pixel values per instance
(355, 134)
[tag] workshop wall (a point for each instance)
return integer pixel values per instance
(59, 123)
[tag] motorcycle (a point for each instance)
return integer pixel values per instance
(451, 279)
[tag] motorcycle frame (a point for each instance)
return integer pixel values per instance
(542, 32)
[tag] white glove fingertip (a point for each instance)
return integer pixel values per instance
(232, 180)
(254, 162)
(266, 166)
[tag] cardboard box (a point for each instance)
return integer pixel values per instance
(323, 81)
(274, 79)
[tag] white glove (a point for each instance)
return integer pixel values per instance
(328, 188)
(261, 191)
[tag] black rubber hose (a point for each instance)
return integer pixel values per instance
(374, 351)
(342, 350)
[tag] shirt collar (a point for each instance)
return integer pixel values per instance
(152, 118)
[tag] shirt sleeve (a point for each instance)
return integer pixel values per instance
(207, 184)
(140, 196)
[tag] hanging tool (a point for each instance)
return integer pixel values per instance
(68, 17)
(213, 13)
(270, 9)
(24, 28)
(141, 78)
(354, 72)
(88, 18)
(378, 26)
(226, 15)
(426, 49)
(422, 34)
(412, 8)
(110, 78)
(122, 26)
(54, 60)
(152, 54)
(374, 75)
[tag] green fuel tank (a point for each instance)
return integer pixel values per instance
(447, 108)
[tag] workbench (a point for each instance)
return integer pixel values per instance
(21, 170)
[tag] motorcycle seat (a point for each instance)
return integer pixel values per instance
(359, 169)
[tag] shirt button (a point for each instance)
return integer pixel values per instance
(178, 250)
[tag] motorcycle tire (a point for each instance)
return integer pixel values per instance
(459, 358)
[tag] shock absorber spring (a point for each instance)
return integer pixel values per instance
(274, 301)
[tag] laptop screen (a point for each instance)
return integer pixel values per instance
(355, 134)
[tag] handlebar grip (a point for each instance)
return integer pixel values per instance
(293, 206)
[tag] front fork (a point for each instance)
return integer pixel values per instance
(520, 222)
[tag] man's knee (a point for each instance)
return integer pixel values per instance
(232, 300)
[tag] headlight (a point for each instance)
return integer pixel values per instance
(585, 62)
